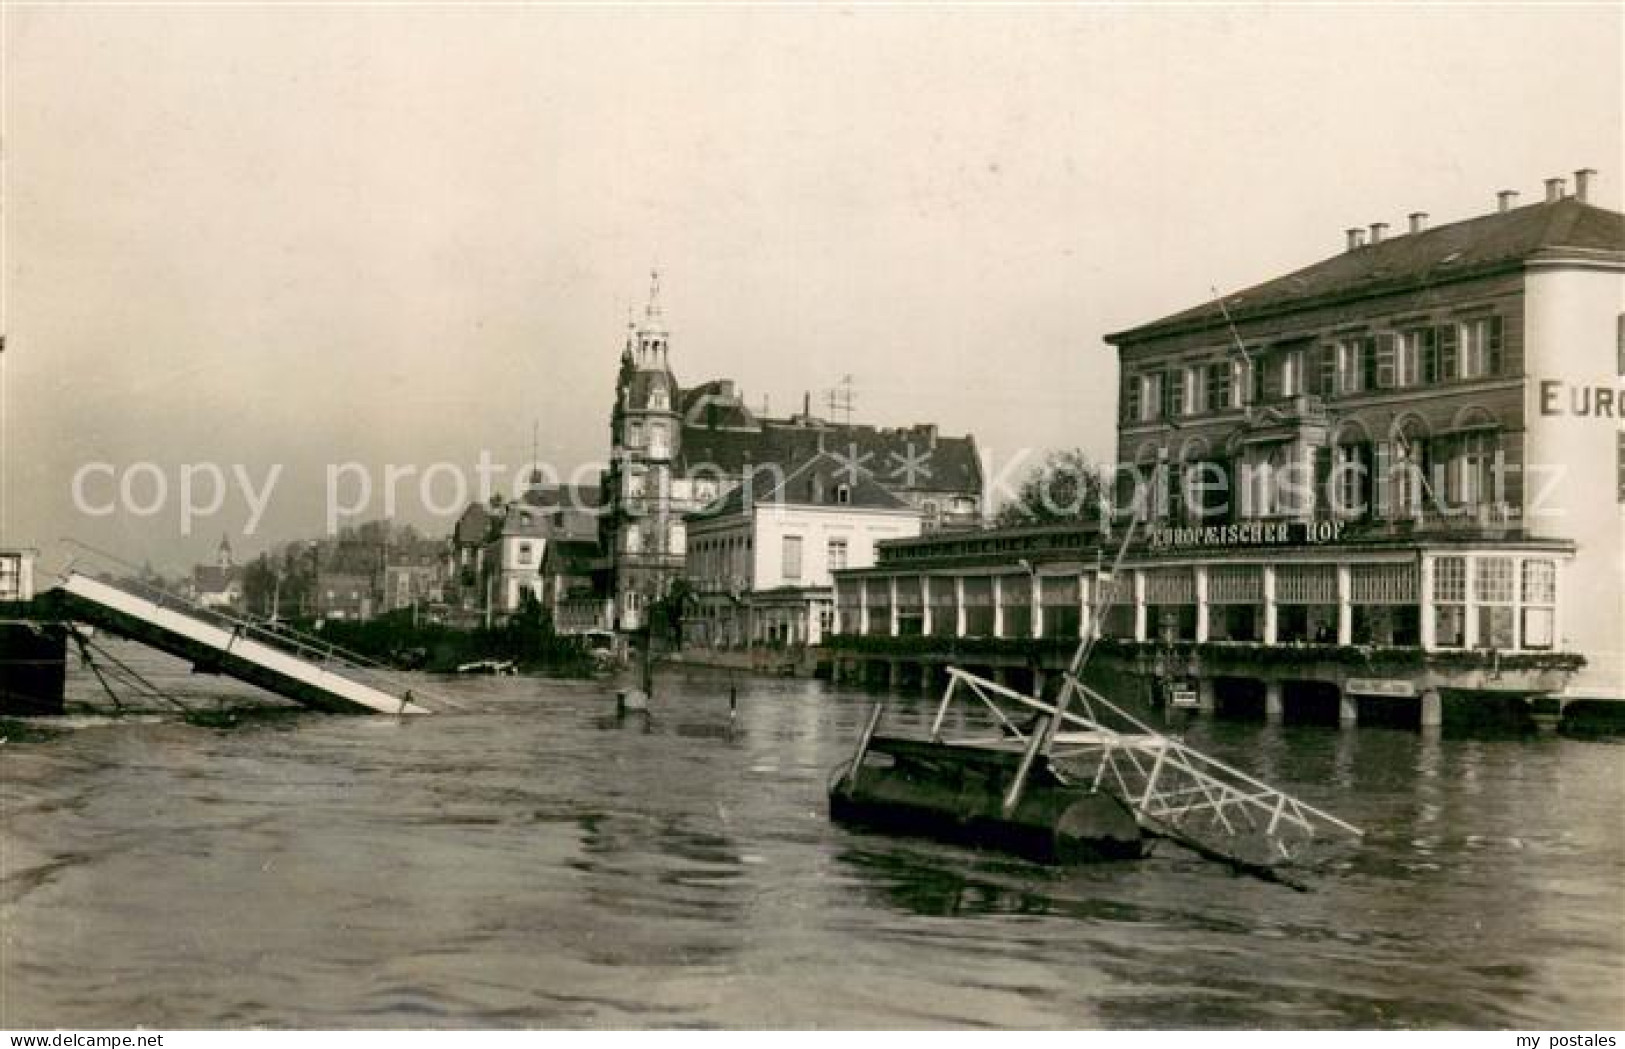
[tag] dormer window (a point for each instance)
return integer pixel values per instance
(843, 494)
(658, 399)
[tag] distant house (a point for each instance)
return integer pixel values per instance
(465, 571)
(219, 585)
(760, 559)
(414, 574)
(344, 594)
(512, 558)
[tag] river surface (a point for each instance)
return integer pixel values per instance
(528, 861)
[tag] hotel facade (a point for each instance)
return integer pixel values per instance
(1393, 477)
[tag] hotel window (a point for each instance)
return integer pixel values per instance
(1235, 597)
(1539, 603)
(1481, 348)
(1209, 490)
(1217, 387)
(1450, 602)
(1115, 597)
(1416, 346)
(1173, 392)
(1292, 373)
(978, 606)
(1409, 476)
(1306, 604)
(634, 540)
(1448, 367)
(877, 595)
(657, 439)
(942, 593)
(1493, 594)
(1470, 476)
(1192, 403)
(792, 558)
(1016, 601)
(910, 606)
(1326, 369)
(1150, 396)
(837, 554)
(634, 434)
(1059, 597)
(1383, 600)
(1356, 364)
(1170, 597)
(1353, 474)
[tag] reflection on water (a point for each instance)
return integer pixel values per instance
(532, 860)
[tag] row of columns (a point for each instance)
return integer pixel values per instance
(1142, 627)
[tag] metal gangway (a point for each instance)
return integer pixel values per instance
(1175, 791)
(304, 669)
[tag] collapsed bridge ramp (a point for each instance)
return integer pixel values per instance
(319, 678)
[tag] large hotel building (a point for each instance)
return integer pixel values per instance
(1389, 485)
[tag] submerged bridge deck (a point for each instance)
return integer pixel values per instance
(289, 665)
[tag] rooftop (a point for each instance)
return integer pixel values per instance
(1459, 250)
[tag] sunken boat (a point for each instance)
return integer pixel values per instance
(1074, 779)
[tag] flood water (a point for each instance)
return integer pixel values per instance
(528, 861)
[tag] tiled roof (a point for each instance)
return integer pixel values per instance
(473, 526)
(715, 405)
(944, 463)
(815, 482)
(564, 496)
(1435, 256)
(212, 579)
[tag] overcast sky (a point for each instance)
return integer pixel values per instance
(401, 235)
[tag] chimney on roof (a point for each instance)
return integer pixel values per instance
(1378, 231)
(1507, 199)
(1356, 237)
(806, 405)
(1419, 221)
(1554, 190)
(1582, 184)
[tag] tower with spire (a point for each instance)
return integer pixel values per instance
(642, 525)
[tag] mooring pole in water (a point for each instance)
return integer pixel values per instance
(863, 744)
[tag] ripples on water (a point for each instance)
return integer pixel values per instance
(532, 862)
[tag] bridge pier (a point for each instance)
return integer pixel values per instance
(33, 668)
(1274, 708)
(1432, 708)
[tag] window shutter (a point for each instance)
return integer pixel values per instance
(1427, 339)
(1323, 495)
(1270, 368)
(1382, 483)
(1495, 354)
(1449, 369)
(1385, 361)
(1328, 370)
(1131, 397)
(1173, 392)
